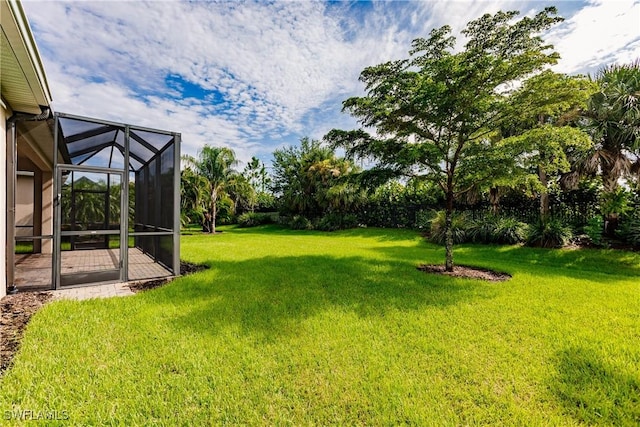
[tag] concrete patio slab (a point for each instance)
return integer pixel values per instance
(95, 291)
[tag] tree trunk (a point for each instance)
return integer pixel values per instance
(544, 196)
(448, 233)
(494, 199)
(610, 186)
(213, 219)
(214, 210)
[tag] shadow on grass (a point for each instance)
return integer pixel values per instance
(379, 234)
(271, 296)
(582, 264)
(593, 392)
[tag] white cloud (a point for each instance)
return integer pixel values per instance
(601, 33)
(274, 71)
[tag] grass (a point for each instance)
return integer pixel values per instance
(297, 327)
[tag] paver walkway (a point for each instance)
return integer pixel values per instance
(95, 291)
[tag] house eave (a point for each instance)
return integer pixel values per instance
(24, 84)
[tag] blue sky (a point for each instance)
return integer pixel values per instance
(255, 76)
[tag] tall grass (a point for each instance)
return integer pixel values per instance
(298, 327)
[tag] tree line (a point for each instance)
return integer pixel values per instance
(453, 127)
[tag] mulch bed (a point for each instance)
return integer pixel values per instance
(15, 312)
(466, 272)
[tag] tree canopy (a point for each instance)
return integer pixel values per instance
(309, 180)
(215, 165)
(434, 113)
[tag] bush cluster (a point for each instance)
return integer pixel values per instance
(336, 221)
(550, 233)
(629, 230)
(299, 222)
(253, 219)
(329, 222)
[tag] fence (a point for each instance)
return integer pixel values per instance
(573, 209)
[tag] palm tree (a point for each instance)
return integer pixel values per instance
(242, 193)
(613, 116)
(215, 164)
(194, 194)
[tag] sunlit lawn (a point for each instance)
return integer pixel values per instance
(340, 328)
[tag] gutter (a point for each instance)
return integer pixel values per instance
(12, 167)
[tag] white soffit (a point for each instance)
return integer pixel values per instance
(23, 82)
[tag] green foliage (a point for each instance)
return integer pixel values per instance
(545, 147)
(613, 119)
(629, 230)
(458, 227)
(423, 219)
(437, 112)
(548, 98)
(90, 209)
(242, 193)
(337, 221)
(266, 202)
(398, 205)
(310, 180)
(299, 222)
(616, 202)
(253, 219)
(225, 209)
(257, 175)
(194, 197)
(496, 229)
(510, 231)
(482, 230)
(548, 233)
(214, 165)
(594, 230)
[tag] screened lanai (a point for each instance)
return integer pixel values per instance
(117, 211)
(115, 206)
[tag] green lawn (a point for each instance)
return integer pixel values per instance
(303, 328)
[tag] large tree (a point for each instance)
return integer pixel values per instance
(542, 131)
(215, 164)
(194, 197)
(613, 116)
(256, 172)
(434, 112)
(310, 180)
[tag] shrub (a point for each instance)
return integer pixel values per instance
(458, 227)
(494, 229)
(548, 233)
(482, 230)
(629, 230)
(594, 230)
(252, 219)
(298, 222)
(337, 221)
(423, 219)
(510, 231)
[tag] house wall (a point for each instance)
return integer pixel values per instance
(25, 206)
(46, 219)
(34, 204)
(3, 200)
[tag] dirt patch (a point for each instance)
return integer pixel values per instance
(15, 312)
(186, 268)
(466, 272)
(145, 285)
(190, 268)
